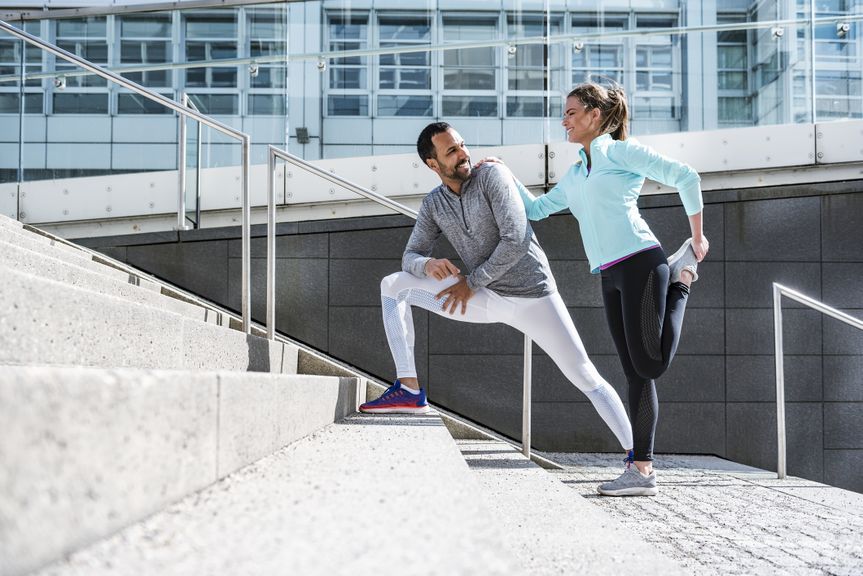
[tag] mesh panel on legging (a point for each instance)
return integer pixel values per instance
(398, 325)
(651, 330)
(644, 411)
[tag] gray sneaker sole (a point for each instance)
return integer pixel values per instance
(632, 491)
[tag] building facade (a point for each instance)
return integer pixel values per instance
(686, 66)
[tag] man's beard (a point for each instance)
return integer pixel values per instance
(455, 174)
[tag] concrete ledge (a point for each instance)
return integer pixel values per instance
(47, 322)
(84, 452)
(95, 281)
(254, 409)
(66, 253)
(339, 502)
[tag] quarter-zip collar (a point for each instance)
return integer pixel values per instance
(597, 146)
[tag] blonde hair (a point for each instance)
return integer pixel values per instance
(611, 103)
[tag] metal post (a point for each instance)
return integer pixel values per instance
(271, 244)
(780, 381)
(198, 180)
(247, 239)
(812, 86)
(181, 170)
(21, 104)
(525, 422)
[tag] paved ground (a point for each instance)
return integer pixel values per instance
(717, 517)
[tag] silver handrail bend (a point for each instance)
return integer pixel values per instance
(778, 291)
(179, 108)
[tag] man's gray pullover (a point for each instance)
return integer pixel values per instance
(488, 228)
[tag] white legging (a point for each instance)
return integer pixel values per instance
(545, 320)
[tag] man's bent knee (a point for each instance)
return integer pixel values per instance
(390, 284)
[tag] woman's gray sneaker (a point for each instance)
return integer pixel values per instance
(683, 259)
(630, 483)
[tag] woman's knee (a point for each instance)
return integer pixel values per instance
(649, 369)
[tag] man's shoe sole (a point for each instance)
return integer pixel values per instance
(396, 410)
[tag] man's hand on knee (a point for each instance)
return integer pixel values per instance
(440, 268)
(457, 294)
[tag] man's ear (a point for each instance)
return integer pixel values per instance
(432, 163)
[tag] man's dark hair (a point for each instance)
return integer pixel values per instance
(425, 147)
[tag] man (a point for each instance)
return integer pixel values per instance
(508, 280)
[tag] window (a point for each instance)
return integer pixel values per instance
(598, 61)
(734, 105)
(10, 65)
(267, 33)
(838, 62)
(404, 79)
(146, 39)
(348, 77)
(211, 36)
(526, 69)
(839, 94)
(225, 104)
(656, 84)
(469, 75)
(88, 93)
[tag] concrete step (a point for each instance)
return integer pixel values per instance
(47, 322)
(85, 452)
(551, 528)
(369, 495)
(6, 222)
(66, 253)
(45, 266)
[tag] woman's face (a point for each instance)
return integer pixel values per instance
(581, 123)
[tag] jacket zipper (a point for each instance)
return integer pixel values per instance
(463, 216)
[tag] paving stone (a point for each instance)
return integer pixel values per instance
(717, 517)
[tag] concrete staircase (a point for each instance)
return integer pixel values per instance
(140, 433)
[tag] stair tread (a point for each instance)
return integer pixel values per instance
(346, 500)
(87, 451)
(551, 528)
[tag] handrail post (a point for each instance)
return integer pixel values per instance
(526, 402)
(780, 381)
(271, 244)
(181, 171)
(198, 184)
(247, 238)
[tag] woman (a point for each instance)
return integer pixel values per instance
(644, 294)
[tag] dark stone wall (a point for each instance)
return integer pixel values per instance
(718, 397)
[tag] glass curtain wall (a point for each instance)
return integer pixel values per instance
(334, 78)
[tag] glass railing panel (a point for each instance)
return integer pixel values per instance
(11, 112)
(94, 144)
(838, 53)
(336, 80)
(194, 152)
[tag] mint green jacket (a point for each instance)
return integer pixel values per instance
(605, 200)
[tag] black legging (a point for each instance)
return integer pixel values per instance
(645, 316)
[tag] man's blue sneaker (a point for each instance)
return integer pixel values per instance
(397, 401)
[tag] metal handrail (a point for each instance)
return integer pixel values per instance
(778, 291)
(384, 201)
(244, 139)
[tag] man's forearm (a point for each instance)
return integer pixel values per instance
(415, 264)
